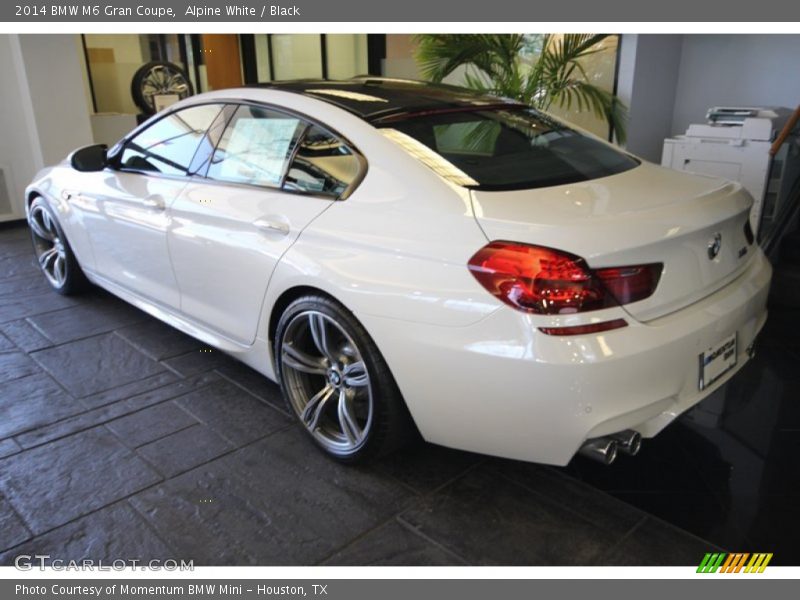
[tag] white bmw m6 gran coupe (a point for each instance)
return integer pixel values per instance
(406, 257)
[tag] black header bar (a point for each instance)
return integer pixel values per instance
(362, 11)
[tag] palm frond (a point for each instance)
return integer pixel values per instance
(590, 98)
(440, 54)
(493, 65)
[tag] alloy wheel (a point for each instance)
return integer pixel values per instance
(327, 382)
(50, 250)
(163, 79)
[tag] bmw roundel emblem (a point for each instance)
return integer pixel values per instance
(714, 246)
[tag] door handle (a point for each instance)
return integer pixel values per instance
(272, 224)
(155, 201)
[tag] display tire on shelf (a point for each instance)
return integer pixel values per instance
(158, 77)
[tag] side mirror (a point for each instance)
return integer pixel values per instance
(89, 158)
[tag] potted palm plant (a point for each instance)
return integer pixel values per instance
(496, 63)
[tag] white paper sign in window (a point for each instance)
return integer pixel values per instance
(257, 150)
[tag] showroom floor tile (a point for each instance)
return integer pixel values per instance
(53, 484)
(121, 437)
(394, 544)
(45, 402)
(95, 364)
(488, 519)
(97, 535)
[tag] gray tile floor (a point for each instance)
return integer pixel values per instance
(119, 438)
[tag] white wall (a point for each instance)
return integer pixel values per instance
(43, 115)
(759, 70)
(647, 81)
(19, 153)
(57, 94)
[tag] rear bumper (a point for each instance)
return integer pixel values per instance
(500, 387)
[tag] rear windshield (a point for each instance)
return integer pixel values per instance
(506, 149)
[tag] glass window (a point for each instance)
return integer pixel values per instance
(169, 145)
(202, 157)
(296, 56)
(600, 67)
(507, 149)
(322, 164)
(113, 59)
(347, 55)
(256, 147)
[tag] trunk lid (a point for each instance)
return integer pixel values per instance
(645, 215)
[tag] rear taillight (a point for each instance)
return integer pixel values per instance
(551, 282)
(630, 284)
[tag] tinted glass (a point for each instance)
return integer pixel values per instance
(168, 145)
(205, 151)
(256, 147)
(509, 149)
(322, 164)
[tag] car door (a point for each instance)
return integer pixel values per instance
(126, 205)
(230, 228)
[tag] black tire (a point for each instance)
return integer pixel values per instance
(60, 267)
(162, 73)
(390, 426)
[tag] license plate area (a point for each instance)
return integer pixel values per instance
(717, 360)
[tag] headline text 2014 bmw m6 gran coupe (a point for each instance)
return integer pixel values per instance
(407, 257)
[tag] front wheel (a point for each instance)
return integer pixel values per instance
(53, 252)
(336, 382)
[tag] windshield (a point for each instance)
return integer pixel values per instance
(505, 149)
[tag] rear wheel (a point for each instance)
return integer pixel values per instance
(53, 252)
(336, 382)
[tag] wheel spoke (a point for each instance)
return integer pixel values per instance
(38, 228)
(319, 333)
(48, 224)
(355, 375)
(318, 352)
(300, 361)
(347, 420)
(46, 257)
(58, 269)
(313, 410)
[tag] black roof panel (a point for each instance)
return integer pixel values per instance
(374, 99)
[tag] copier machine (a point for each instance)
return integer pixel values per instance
(734, 143)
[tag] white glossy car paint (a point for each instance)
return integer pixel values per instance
(475, 373)
(125, 218)
(222, 232)
(641, 216)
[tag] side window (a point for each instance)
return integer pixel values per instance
(205, 151)
(322, 164)
(169, 145)
(256, 147)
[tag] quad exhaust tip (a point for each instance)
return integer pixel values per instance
(602, 450)
(628, 441)
(606, 449)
